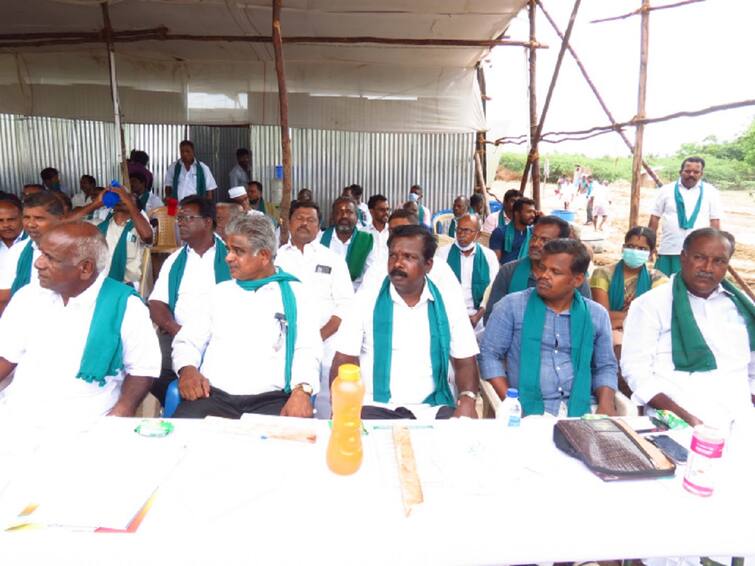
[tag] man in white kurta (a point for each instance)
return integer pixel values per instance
(188, 175)
(380, 210)
(11, 226)
(45, 328)
(715, 397)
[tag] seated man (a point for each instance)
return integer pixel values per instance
(512, 241)
(521, 274)
(256, 198)
(239, 196)
(505, 215)
(459, 208)
(473, 265)
(257, 348)
(423, 213)
(145, 198)
(358, 248)
(11, 225)
(688, 345)
(404, 335)
(81, 343)
(42, 212)
(186, 279)
(326, 277)
(224, 213)
(550, 343)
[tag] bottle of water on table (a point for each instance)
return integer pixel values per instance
(510, 409)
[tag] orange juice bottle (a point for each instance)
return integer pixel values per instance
(345, 446)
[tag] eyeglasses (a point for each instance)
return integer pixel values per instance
(181, 218)
(465, 230)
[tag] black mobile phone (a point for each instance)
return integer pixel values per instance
(670, 447)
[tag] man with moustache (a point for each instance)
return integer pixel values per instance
(688, 344)
(550, 343)
(380, 210)
(512, 241)
(11, 226)
(404, 335)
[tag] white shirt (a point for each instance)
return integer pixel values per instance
(367, 216)
(8, 274)
(134, 249)
(411, 378)
(491, 222)
(428, 217)
(599, 195)
(187, 180)
(5, 250)
(380, 238)
(716, 396)
(153, 201)
(342, 248)
(240, 346)
(323, 273)
(196, 285)
(672, 236)
(46, 339)
(467, 263)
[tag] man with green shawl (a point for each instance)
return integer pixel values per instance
(552, 344)
(358, 248)
(685, 205)
(42, 212)
(406, 336)
(145, 198)
(459, 209)
(81, 343)
(188, 176)
(424, 215)
(257, 348)
(256, 198)
(688, 344)
(511, 242)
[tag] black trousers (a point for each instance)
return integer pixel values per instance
(167, 375)
(222, 404)
(369, 412)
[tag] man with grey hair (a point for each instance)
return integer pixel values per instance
(257, 348)
(96, 352)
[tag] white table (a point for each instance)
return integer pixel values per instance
(492, 496)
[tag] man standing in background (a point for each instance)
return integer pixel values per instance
(241, 174)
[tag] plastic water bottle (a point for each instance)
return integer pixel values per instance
(111, 198)
(510, 409)
(345, 446)
(276, 190)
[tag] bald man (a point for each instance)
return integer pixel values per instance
(81, 343)
(460, 208)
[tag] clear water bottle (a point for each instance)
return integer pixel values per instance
(510, 409)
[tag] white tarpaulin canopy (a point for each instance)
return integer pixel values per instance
(358, 87)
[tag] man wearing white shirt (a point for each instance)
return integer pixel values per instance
(424, 215)
(357, 247)
(380, 210)
(405, 337)
(42, 212)
(474, 266)
(257, 349)
(688, 345)
(189, 176)
(145, 198)
(186, 278)
(505, 215)
(364, 218)
(325, 276)
(241, 174)
(11, 226)
(685, 205)
(81, 344)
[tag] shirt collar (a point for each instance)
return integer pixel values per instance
(423, 298)
(681, 186)
(89, 295)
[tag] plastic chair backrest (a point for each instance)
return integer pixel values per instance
(166, 229)
(441, 221)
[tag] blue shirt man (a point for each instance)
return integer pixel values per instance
(507, 241)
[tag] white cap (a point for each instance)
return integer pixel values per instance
(236, 192)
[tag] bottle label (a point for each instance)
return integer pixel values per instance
(514, 420)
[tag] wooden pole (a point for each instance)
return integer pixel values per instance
(634, 202)
(533, 160)
(114, 93)
(280, 71)
(594, 90)
(742, 283)
(650, 9)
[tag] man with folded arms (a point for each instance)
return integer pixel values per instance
(405, 336)
(550, 343)
(688, 344)
(80, 342)
(257, 349)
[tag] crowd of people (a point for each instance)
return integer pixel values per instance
(246, 320)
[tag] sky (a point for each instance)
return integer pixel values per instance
(699, 55)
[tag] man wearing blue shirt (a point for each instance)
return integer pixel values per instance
(510, 242)
(550, 342)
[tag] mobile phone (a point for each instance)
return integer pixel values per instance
(670, 447)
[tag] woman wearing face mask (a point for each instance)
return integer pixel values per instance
(616, 286)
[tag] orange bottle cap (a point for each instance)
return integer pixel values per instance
(349, 372)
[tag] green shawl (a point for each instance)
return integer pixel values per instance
(382, 345)
(480, 271)
(23, 268)
(582, 338)
(681, 214)
(118, 261)
(103, 351)
(201, 181)
(176, 273)
(520, 278)
(452, 228)
(260, 206)
(616, 289)
(289, 312)
(688, 348)
(359, 249)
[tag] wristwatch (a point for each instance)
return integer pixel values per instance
(305, 387)
(471, 394)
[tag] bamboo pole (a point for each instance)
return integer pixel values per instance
(634, 202)
(742, 283)
(280, 71)
(125, 180)
(594, 90)
(532, 157)
(650, 9)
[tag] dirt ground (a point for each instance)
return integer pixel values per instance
(739, 219)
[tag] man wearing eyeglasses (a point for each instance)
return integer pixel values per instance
(182, 289)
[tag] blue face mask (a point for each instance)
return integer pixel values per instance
(635, 258)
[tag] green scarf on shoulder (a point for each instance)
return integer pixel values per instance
(689, 351)
(289, 311)
(681, 214)
(23, 268)
(260, 206)
(176, 273)
(359, 249)
(509, 233)
(103, 351)
(616, 289)
(201, 181)
(119, 257)
(582, 338)
(480, 271)
(521, 276)
(452, 228)
(382, 345)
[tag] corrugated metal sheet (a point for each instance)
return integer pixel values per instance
(323, 160)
